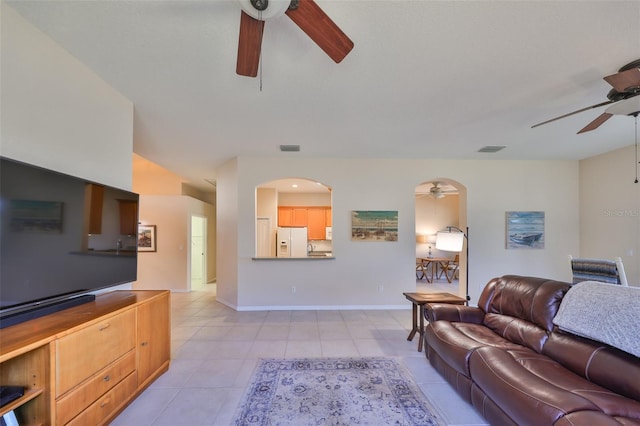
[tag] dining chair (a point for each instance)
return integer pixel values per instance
(451, 269)
(602, 270)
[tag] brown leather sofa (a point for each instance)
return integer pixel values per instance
(515, 367)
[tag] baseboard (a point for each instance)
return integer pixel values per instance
(323, 308)
(314, 307)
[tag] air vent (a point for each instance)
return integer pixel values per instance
(289, 148)
(492, 148)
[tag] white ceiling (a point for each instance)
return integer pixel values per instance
(426, 79)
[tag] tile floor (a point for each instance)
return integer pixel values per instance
(215, 350)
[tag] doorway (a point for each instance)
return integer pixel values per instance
(440, 203)
(198, 270)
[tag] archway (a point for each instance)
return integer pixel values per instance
(439, 203)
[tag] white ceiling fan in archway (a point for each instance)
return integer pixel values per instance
(436, 190)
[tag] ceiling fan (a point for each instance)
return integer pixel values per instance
(624, 97)
(306, 14)
(437, 192)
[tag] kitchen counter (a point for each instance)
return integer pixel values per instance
(318, 257)
(112, 253)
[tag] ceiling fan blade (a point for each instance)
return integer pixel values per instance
(321, 29)
(596, 123)
(249, 44)
(574, 112)
(624, 81)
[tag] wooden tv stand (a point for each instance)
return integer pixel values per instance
(85, 364)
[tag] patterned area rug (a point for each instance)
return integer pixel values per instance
(333, 391)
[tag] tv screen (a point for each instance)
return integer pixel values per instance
(61, 236)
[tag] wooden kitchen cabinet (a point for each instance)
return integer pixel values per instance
(292, 216)
(128, 217)
(85, 364)
(316, 219)
(94, 200)
(299, 216)
(285, 216)
(316, 223)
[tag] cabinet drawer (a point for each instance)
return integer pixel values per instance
(70, 405)
(85, 352)
(100, 410)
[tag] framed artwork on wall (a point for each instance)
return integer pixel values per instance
(374, 225)
(43, 217)
(146, 238)
(525, 230)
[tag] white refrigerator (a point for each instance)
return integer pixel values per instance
(291, 242)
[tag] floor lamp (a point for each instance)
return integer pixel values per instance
(453, 240)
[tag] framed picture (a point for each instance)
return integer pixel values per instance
(146, 238)
(43, 217)
(525, 230)
(375, 225)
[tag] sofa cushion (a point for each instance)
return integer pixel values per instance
(595, 418)
(524, 397)
(551, 391)
(535, 300)
(521, 309)
(455, 341)
(517, 330)
(608, 367)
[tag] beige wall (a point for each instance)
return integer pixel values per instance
(56, 112)
(152, 179)
(228, 232)
(609, 211)
(354, 277)
(308, 199)
(163, 205)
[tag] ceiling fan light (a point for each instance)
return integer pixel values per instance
(274, 9)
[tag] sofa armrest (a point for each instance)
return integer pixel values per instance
(453, 313)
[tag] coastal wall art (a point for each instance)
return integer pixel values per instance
(374, 225)
(525, 230)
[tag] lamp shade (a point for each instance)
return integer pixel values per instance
(449, 241)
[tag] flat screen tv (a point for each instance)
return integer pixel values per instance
(62, 238)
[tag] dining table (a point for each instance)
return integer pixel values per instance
(427, 267)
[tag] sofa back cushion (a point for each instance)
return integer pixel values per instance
(521, 309)
(599, 363)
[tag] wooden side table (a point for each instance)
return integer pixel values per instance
(419, 300)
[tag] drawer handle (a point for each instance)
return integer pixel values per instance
(106, 378)
(144, 343)
(104, 327)
(105, 403)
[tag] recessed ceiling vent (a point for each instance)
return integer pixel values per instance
(491, 148)
(289, 148)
